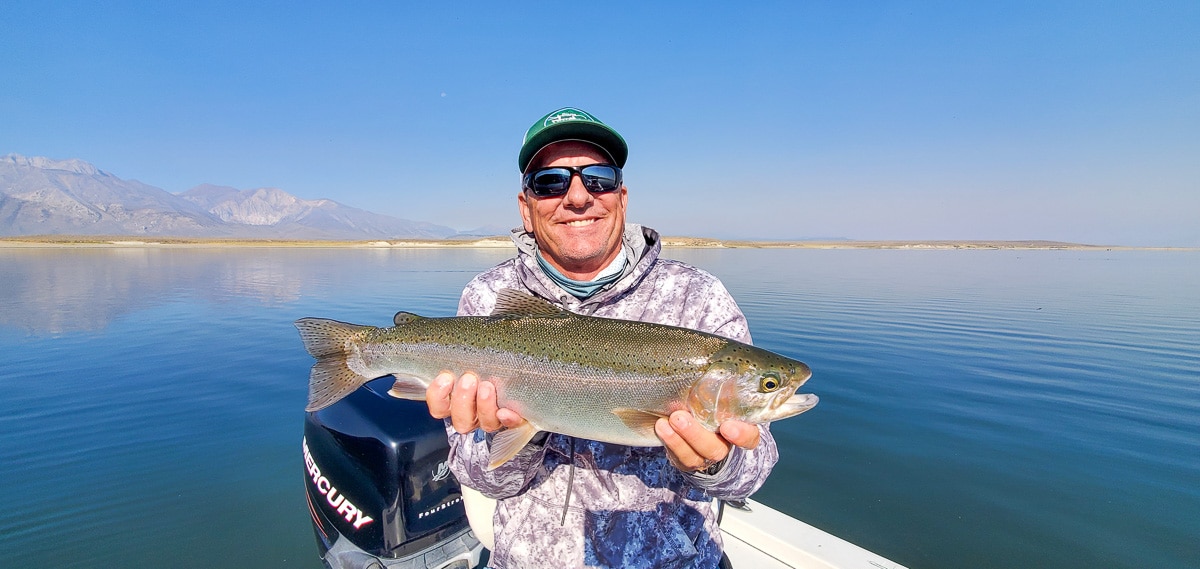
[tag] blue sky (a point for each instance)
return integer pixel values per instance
(1073, 121)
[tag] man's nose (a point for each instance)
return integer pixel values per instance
(577, 194)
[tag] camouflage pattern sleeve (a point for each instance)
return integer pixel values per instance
(723, 317)
(469, 456)
(743, 472)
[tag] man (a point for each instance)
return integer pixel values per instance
(568, 502)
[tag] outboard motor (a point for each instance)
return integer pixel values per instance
(378, 486)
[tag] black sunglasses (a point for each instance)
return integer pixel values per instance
(556, 180)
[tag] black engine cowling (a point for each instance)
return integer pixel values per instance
(378, 486)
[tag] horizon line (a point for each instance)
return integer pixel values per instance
(499, 241)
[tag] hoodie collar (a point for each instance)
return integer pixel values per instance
(641, 246)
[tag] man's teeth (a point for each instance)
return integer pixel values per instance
(580, 223)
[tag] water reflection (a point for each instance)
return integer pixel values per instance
(63, 290)
(972, 402)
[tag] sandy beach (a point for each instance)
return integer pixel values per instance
(504, 242)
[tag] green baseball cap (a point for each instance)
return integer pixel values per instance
(572, 124)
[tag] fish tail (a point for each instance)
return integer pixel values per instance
(331, 378)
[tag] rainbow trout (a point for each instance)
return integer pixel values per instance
(595, 378)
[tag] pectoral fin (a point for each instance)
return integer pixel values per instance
(408, 388)
(639, 421)
(507, 443)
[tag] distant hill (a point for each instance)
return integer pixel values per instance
(485, 231)
(44, 196)
(41, 196)
(288, 216)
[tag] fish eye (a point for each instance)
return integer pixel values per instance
(769, 382)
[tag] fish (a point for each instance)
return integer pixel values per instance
(596, 378)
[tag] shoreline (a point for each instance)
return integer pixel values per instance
(94, 241)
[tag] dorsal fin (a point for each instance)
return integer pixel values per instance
(401, 318)
(517, 303)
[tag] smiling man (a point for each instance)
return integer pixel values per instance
(569, 502)
(578, 232)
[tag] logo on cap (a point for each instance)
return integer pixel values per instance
(566, 115)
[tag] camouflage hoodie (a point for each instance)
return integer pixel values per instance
(570, 502)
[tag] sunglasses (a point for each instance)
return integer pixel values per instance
(556, 180)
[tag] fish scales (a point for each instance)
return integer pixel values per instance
(597, 378)
(557, 388)
(600, 342)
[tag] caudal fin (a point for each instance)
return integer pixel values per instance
(330, 379)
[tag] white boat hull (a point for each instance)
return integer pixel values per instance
(758, 538)
(765, 538)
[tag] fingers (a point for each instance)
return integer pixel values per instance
(689, 445)
(509, 419)
(469, 403)
(741, 434)
(462, 404)
(486, 408)
(437, 395)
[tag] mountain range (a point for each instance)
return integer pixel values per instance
(42, 196)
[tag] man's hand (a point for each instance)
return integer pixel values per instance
(469, 403)
(691, 447)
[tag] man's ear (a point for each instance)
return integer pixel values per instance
(523, 204)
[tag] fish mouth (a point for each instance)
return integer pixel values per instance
(796, 404)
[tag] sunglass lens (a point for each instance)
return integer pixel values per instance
(596, 178)
(600, 178)
(550, 181)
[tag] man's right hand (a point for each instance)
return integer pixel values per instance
(469, 402)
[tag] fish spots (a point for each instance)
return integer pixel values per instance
(602, 357)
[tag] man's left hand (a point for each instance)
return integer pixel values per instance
(692, 448)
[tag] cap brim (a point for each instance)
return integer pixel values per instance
(594, 133)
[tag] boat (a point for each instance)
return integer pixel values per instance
(381, 495)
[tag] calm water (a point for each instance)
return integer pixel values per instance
(978, 408)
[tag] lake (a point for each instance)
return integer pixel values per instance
(978, 408)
